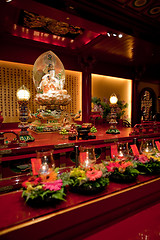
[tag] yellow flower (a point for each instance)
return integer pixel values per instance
(29, 187)
(121, 170)
(156, 158)
(78, 173)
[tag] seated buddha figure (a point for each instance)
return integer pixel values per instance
(50, 83)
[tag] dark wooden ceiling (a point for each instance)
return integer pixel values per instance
(101, 22)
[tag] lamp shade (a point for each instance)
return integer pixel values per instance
(113, 99)
(23, 94)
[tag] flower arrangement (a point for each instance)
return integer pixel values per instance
(148, 163)
(89, 180)
(63, 132)
(72, 132)
(122, 170)
(45, 188)
(104, 107)
(93, 129)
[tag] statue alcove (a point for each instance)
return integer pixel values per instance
(147, 104)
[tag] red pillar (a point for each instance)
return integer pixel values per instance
(86, 64)
(136, 110)
(134, 102)
(86, 96)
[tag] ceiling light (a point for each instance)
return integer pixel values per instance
(114, 34)
(71, 7)
(120, 35)
(108, 34)
(8, 1)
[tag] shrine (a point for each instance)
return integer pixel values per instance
(79, 120)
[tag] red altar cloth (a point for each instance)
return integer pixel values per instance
(14, 210)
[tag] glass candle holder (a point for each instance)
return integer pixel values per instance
(147, 146)
(47, 159)
(87, 156)
(123, 150)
